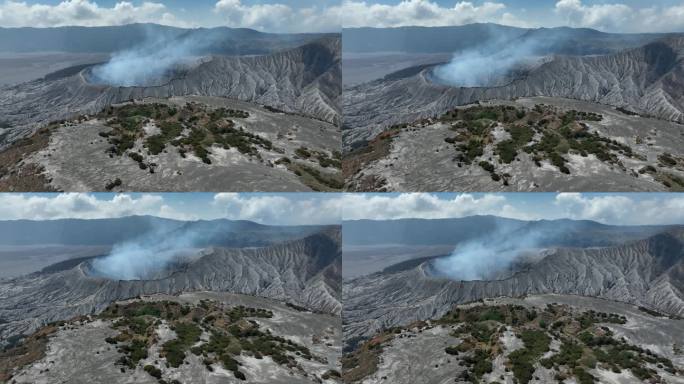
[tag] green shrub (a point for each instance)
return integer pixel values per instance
(153, 371)
(487, 166)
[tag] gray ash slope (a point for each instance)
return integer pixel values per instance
(647, 272)
(647, 80)
(304, 80)
(305, 271)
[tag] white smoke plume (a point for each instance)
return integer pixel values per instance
(149, 256)
(493, 255)
(494, 63)
(151, 60)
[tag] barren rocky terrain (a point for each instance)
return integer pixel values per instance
(288, 157)
(644, 80)
(303, 79)
(50, 124)
(305, 272)
(536, 339)
(438, 154)
(645, 272)
(265, 342)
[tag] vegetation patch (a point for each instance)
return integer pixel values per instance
(191, 128)
(15, 176)
(232, 332)
(544, 132)
(586, 343)
(23, 352)
(359, 158)
(316, 179)
(365, 359)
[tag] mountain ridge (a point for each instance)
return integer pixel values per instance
(645, 272)
(645, 79)
(298, 80)
(296, 271)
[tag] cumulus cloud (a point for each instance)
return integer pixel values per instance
(280, 209)
(423, 13)
(332, 208)
(83, 13)
(284, 209)
(619, 17)
(615, 209)
(277, 17)
(610, 17)
(82, 206)
(425, 206)
(621, 209)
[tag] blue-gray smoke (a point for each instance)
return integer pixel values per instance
(494, 63)
(495, 254)
(149, 256)
(150, 61)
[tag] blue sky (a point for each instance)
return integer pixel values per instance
(330, 208)
(329, 15)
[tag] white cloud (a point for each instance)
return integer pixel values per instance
(298, 209)
(277, 17)
(82, 206)
(618, 17)
(83, 13)
(423, 13)
(425, 206)
(601, 16)
(621, 209)
(267, 209)
(280, 209)
(605, 208)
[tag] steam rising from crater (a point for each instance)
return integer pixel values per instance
(498, 254)
(494, 63)
(153, 62)
(152, 256)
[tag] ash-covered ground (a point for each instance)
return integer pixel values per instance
(223, 301)
(288, 88)
(296, 153)
(16, 68)
(536, 339)
(616, 151)
(359, 68)
(203, 337)
(635, 265)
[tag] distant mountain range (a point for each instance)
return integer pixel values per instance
(562, 232)
(110, 39)
(561, 40)
(219, 232)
